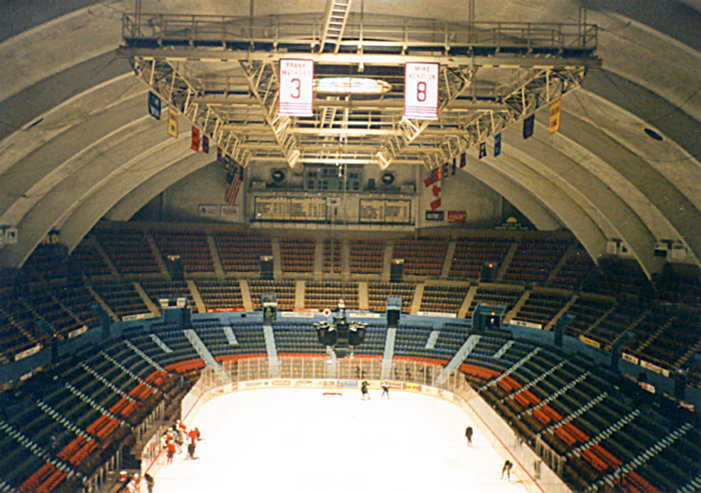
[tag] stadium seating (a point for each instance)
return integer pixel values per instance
(129, 251)
(535, 259)
(446, 299)
(331, 258)
(563, 401)
(297, 255)
(220, 295)
(379, 291)
(241, 252)
(422, 257)
(327, 294)
(366, 256)
(192, 247)
(472, 253)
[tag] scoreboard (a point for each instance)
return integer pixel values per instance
(295, 209)
(385, 211)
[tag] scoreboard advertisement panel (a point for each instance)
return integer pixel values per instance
(295, 209)
(385, 211)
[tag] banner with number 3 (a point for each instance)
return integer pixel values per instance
(421, 91)
(296, 93)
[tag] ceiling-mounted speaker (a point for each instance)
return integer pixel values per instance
(277, 175)
(387, 178)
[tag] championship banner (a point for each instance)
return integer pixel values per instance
(195, 145)
(463, 160)
(528, 124)
(483, 150)
(421, 91)
(497, 144)
(555, 116)
(296, 93)
(154, 105)
(205, 144)
(172, 123)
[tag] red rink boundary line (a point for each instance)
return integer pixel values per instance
(339, 394)
(503, 445)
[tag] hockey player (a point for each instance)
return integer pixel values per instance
(149, 482)
(385, 391)
(191, 449)
(468, 435)
(364, 390)
(507, 469)
(170, 451)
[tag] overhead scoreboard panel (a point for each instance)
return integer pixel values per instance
(289, 209)
(385, 211)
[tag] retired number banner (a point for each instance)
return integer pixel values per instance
(421, 91)
(296, 95)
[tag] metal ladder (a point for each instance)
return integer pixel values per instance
(335, 23)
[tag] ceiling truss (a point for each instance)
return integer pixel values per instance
(222, 75)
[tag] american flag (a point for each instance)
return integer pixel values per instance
(234, 178)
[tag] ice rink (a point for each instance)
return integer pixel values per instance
(297, 440)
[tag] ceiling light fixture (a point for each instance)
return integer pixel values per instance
(351, 85)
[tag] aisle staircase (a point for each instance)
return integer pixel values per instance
(273, 360)
(144, 356)
(204, 353)
(458, 358)
(388, 353)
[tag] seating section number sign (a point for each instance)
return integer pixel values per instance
(296, 93)
(421, 91)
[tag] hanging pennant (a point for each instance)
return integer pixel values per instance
(497, 144)
(483, 150)
(528, 124)
(154, 105)
(195, 145)
(554, 119)
(172, 123)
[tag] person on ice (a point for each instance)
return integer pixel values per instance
(364, 390)
(385, 391)
(507, 469)
(191, 450)
(468, 435)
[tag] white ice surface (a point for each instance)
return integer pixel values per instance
(296, 440)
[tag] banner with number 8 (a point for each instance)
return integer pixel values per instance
(421, 91)
(296, 93)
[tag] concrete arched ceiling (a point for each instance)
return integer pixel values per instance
(76, 144)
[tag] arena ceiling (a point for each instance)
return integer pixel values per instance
(77, 144)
